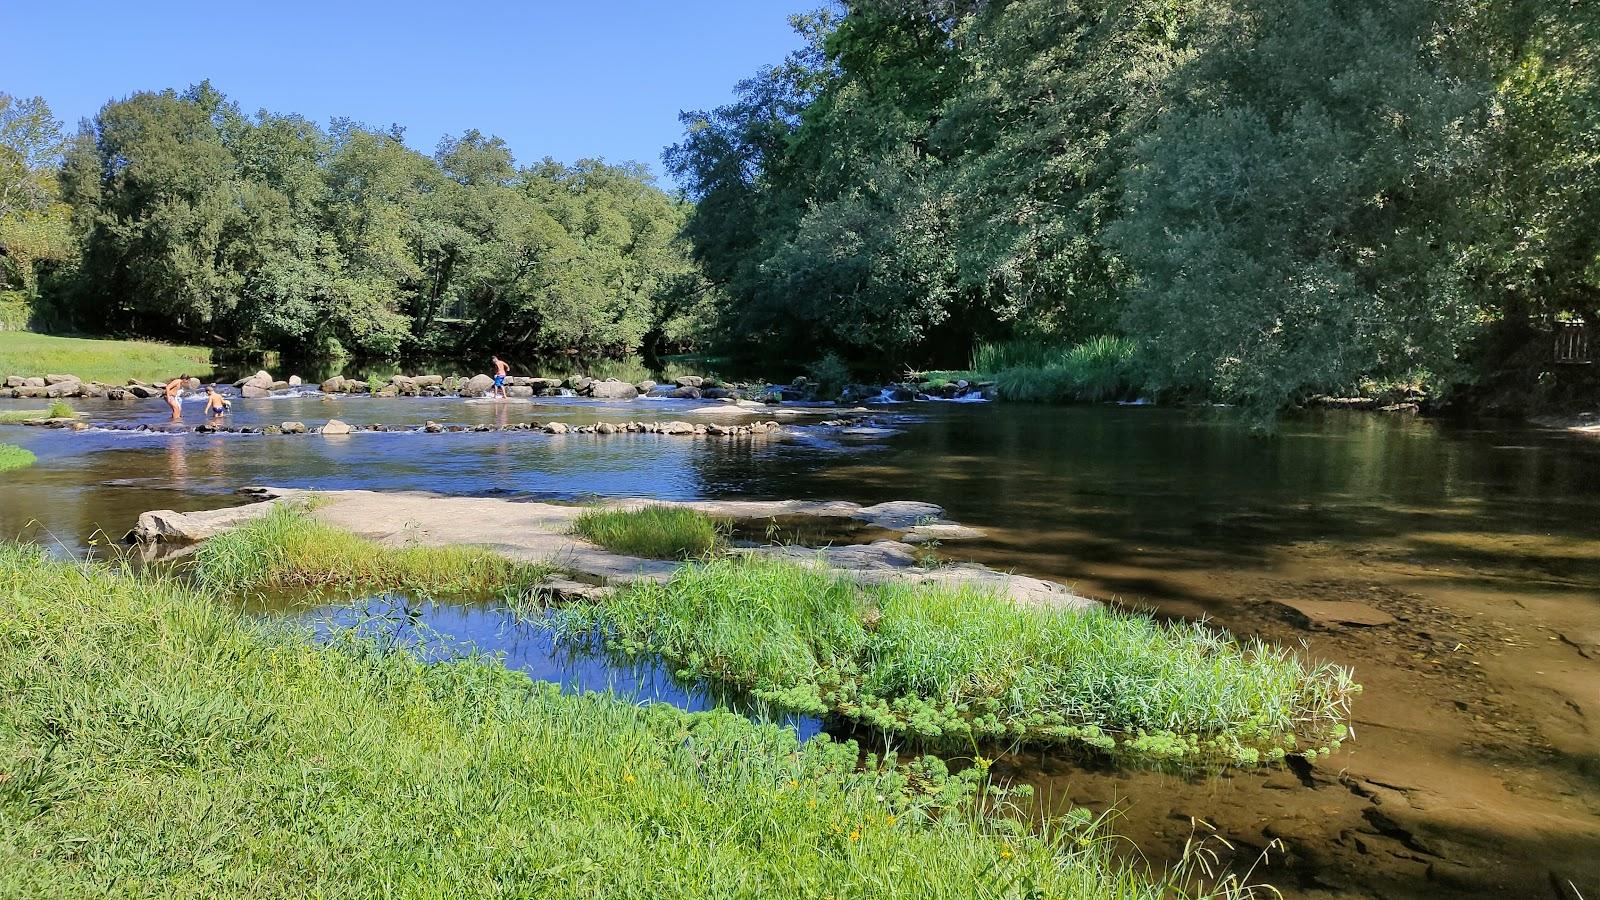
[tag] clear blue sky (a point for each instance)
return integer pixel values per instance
(564, 79)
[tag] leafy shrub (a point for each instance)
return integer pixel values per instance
(14, 457)
(829, 375)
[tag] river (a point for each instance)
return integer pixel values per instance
(1475, 768)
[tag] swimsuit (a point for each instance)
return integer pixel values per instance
(499, 381)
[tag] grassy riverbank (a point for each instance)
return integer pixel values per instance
(289, 549)
(157, 741)
(14, 457)
(655, 531)
(1099, 369)
(111, 362)
(954, 666)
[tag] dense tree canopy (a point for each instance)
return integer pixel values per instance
(1271, 197)
(195, 221)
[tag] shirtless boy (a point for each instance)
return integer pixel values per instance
(500, 370)
(216, 404)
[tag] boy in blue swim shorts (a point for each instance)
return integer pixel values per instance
(500, 370)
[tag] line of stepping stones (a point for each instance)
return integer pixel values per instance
(337, 427)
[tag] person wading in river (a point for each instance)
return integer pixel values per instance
(216, 404)
(174, 387)
(500, 370)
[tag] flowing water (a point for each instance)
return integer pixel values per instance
(1475, 769)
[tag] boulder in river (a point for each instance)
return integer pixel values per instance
(685, 393)
(33, 382)
(613, 390)
(293, 428)
(294, 381)
(519, 390)
(645, 386)
(333, 385)
(693, 381)
(254, 392)
(335, 426)
(143, 392)
(58, 379)
(477, 386)
(555, 428)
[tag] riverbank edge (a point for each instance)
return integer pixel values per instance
(326, 770)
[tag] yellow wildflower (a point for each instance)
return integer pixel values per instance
(855, 834)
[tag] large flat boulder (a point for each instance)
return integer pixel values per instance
(165, 526)
(613, 390)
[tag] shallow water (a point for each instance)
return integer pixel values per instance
(1476, 765)
(441, 630)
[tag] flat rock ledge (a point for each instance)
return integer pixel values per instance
(541, 532)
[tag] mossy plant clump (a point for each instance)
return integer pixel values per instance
(14, 457)
(288, 549)
(956, 666)
(155, 740)
(656, 531)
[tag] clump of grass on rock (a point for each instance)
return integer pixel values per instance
(656, 531)
(14, 457)
(953, 666)
(155, 740)
(288, 548)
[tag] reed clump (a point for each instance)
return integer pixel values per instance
(289, 549)
(943, 665)
(14, 457)
(156, 740)
(656, 531)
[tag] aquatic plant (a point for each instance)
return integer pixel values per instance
(1101, 368)
(154, 739)
(656, 531)
(945, 665)
(289, 548)
(14, 457)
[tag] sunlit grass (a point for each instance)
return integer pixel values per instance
(58, 409)
(155, 740)
(656, 531)
(289, 548)
(941, 664)
(112, 362)
(14, 457)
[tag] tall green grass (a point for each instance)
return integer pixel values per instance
(288, 548)
(656, 531)
(154, 743)
(963, 665)
(113, 362)
(1098, 369)
(14, 457)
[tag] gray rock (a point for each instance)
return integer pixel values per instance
(335, 385)
(58, 379)
(645, 386)
(555, 428)
(676, 428)
(685, 393)
(613, 390)
(143, 392)
(293, 428)
(477, 386)
(605, 428)
(519, 390)
(254, 391)
(294, 381)
(164, 526)
(335, 426)
(33, 382)
(692, 381)
(15, 381)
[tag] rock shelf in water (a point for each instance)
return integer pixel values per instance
(542, 532)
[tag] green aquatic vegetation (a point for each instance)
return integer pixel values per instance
(14, 457)
(944, 665)
(58, 409)
(155, 739)
(288, 548)
(656, 531)
(1101, 368)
